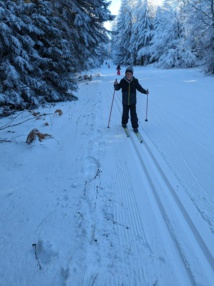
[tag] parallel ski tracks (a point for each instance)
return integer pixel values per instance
(166, 215)
(184, 212)
(142, 151)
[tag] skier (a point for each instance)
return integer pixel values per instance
(118, 68)
(129, 85)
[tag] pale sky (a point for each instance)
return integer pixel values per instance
(115, 6)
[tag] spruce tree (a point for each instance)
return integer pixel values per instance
(122, 53)
(83, 22)
(169, 40)
(36, 59)
(144, 35)
(43, 44)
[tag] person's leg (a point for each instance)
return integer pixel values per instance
(134, 119)
(125, 115)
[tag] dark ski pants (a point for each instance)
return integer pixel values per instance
(125, 115)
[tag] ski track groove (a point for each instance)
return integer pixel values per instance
(192, 179)
(192, 226)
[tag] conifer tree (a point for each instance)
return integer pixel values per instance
(180, 33)
(43, 43)
(137, 12)
(168, 45)
(144, 34)
(36, 63)
(122, 36)
(83, 21)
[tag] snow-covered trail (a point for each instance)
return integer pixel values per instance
(162, 190)
(102, 208)
(125, 242)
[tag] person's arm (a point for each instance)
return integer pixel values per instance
(141, 89)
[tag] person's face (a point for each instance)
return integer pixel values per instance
(129, 75)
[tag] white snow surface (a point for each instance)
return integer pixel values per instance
(90, 206)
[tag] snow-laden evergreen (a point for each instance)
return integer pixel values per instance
(122, 36)
(84, 27)
(144, 33)
(168, 46)
(43, 44)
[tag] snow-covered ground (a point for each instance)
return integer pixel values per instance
(90, 206)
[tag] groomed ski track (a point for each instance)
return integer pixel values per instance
(143, 228)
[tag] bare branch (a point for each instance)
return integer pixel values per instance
(203, 12)
(9, 125)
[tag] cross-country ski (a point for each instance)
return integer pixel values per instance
(139, 136)
(126, 131)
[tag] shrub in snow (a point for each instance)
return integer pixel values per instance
(175, 58)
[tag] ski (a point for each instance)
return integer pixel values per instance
(126, 131)
(140, 138)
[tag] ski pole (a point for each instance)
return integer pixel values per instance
(147, 107)
(111, 109)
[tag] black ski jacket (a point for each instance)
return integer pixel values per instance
(129, 90)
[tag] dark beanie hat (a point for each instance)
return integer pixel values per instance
(129, 69)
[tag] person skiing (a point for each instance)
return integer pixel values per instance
(129, 85)
(118, 68)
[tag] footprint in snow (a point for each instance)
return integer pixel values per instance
(45, 251)
(91, 168)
